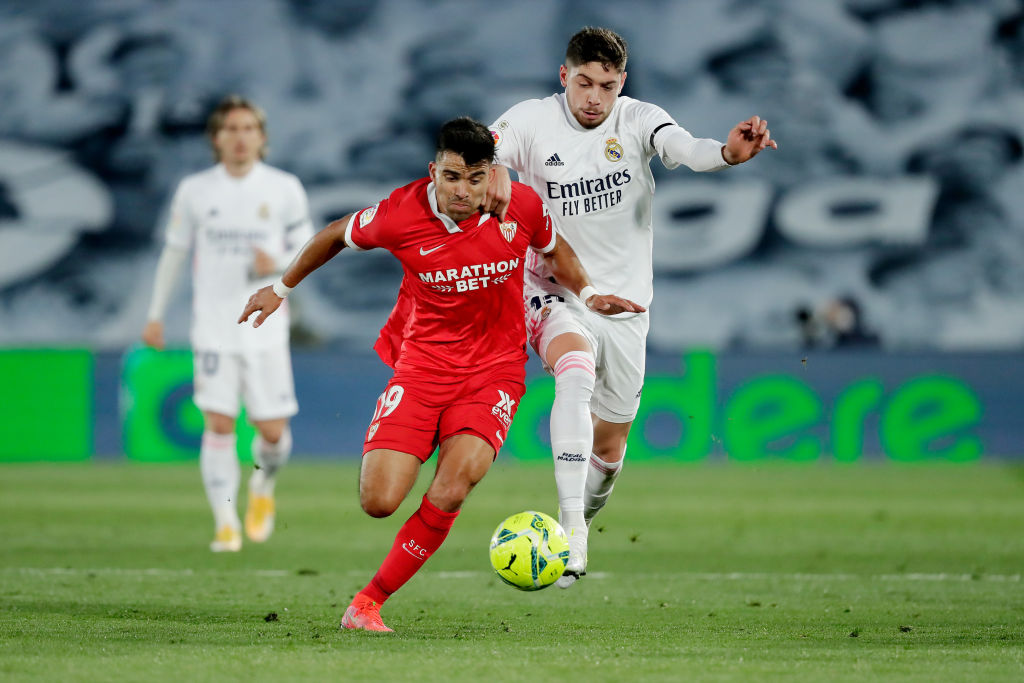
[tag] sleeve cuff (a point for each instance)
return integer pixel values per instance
(348, 233)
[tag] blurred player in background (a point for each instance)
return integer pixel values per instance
(456, 339)
(244, 222)
(587, 153)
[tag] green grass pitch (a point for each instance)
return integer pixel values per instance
(698, 573)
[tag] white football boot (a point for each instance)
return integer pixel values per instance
(577, 564)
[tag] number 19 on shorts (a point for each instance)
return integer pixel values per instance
(386, 404)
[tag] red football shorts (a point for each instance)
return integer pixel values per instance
(419, 410)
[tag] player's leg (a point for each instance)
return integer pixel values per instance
(268, 389)
(572, 438)
(471, 430)
(615, 404)
(559, 339)
(401, 437)
(462, 462)
(218, 465)
(605, 464)
(271, 448)
(216, 395)
(385, 479)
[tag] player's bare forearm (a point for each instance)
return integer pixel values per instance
(565, 266)
(320, 249)
(499, 192)
(569, 272)
(323, 246)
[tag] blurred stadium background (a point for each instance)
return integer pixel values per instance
(857, 293)
(857, 296)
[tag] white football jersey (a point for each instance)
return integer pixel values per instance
(597, 183)
(224, 219)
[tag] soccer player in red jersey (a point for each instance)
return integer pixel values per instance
(456, 339)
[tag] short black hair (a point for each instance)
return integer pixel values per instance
(468, 138)
(595, 44)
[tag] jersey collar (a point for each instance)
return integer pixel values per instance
(256, 170)
(450, 225)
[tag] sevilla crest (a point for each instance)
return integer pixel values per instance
(508, 230)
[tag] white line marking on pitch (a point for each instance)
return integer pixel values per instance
(470, 574)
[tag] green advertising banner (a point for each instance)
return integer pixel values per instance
(778, 416)
(160, 422)
(47, 406)
(65, 404)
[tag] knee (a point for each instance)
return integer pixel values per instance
(272, 433)
(379, 505)
(219, 424)
(449, 497)
(611, 449)
(574, 373)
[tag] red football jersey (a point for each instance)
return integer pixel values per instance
(460, 307)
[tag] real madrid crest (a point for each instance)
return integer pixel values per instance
(508, 230)
(264, 211)
(613, 150)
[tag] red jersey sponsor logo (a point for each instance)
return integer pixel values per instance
(504, 408)
(469, 278)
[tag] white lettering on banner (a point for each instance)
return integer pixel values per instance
(473, 277)
(703, 225)
(850, 212)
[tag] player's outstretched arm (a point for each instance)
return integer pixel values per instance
(746, 139)
(569, 273)
(324, 246)
(167, 269)
(499, 192)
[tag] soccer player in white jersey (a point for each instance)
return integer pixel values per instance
(244, 221)
(587, 153)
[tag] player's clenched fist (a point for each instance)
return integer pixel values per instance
(264, 301)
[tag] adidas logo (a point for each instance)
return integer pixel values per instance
(553, 160)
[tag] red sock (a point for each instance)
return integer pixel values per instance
(417, 540)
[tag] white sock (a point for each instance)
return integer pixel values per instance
(270, 457)
(572, 434)
(218, 464)
(601, 478)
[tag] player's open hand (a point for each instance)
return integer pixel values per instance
(499, 192)
(747, 139)
(264, 301)
(609, 304)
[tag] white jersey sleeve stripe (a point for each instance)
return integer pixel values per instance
(551, 245)
(348, 233)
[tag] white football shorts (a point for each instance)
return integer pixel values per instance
(261, 378)
(619, 344)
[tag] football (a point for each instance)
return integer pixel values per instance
(529, 550)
